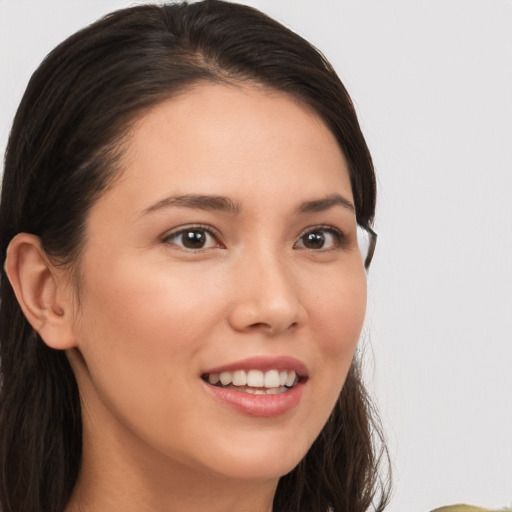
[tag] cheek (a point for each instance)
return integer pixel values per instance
(338, 320)
(161, 310)
(139, 339)
(141, 330)
(339, 315)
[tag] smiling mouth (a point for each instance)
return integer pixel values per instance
(255, 382)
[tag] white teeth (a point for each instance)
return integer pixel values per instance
(290, 380)
(255, 379)
(226, 378)
(258, 391)
(274, 381)
(239, 378)
(213, 378)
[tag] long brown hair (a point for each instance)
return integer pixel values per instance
(61, 155)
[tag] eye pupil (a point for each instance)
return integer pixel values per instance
(194, 239)
(314, 240)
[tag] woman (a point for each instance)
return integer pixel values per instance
(185, 202)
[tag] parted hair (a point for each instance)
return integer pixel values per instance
(62, 154)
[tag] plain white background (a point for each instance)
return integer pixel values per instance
(432, 83)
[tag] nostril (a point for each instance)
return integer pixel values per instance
(252, 312)
(259, 325)
(270, 328)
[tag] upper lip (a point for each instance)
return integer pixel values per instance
(263, 363)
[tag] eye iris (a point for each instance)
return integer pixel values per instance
(314, 240)
(194, 239)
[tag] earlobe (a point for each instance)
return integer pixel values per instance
(37, 287)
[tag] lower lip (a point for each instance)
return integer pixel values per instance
(262, 406)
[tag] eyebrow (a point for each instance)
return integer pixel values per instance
(196, 201)
(320, 205)
(225, 204)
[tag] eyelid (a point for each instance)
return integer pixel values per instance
(336, 232)
(190, 227)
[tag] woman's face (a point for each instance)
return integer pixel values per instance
(227, 249)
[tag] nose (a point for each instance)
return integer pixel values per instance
(265, 297)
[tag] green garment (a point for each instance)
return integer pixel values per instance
(468, 508)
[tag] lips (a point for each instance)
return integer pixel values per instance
(258, 386)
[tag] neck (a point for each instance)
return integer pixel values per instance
(177, 496)
(139, 479)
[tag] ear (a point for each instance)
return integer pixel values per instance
(39, 288)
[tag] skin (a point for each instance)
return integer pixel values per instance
(153, 315)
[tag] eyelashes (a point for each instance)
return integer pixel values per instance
(197, 238)
(321, 238)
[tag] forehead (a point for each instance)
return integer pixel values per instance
(233, 141)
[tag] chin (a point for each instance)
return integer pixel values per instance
(260, 460)
(254, 472)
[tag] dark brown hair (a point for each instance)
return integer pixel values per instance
(61, 155)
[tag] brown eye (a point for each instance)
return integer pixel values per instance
(314, 240)
(193, 239)
(320, 239)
